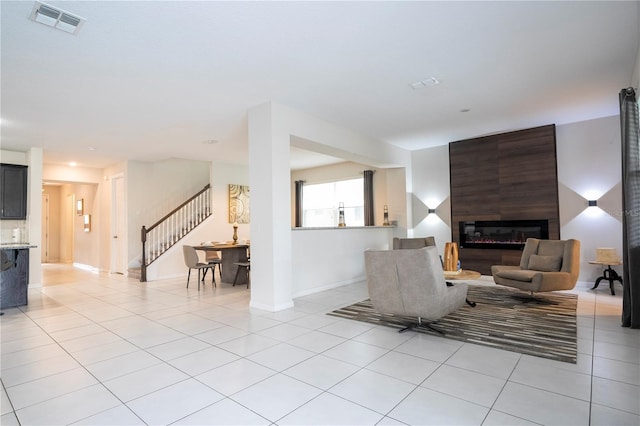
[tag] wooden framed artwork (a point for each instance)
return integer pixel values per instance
(239, 211)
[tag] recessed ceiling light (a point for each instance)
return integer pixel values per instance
(210, 142)
(56, 18)
(427, 82)
(73, 164)
(92, 148)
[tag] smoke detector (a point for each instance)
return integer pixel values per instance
(56, 18)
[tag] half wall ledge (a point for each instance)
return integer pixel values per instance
(321, 228)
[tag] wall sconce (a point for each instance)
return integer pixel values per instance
(87, 223)
(593, 203)
(386, 216)
(80, 206)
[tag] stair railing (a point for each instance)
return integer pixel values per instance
(166, 232)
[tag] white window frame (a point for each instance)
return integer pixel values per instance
(320, 203)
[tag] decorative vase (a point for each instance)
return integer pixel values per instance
(341, 222)
(386, 216)
(451, 257)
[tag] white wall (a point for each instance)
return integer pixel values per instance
(431, 189)
(62, 173)
(215, 228)
(349, 170)
(151, 190)
(87, 247)
(588, 158)
(104, 230)
(155, 189)
(34, 214)
(329, 258)
(272, 128)
(68, 242)
(589, 168)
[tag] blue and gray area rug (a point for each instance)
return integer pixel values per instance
(503, 318)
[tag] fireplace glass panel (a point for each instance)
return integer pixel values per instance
(501, 234)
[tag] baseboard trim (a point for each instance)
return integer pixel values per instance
(86, 267)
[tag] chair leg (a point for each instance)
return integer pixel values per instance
(235, 279)
(188, 277)
(247, 271)
(430, 327)
(198, 279)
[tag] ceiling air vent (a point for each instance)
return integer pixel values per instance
(56, 18)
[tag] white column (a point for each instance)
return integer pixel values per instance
(34, 217)
(269, 179)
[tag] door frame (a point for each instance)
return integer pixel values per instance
(118, 230)
(45, 228)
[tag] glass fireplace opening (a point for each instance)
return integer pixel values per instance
(501, 234)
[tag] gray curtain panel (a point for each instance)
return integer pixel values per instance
(368, 198)
(630, 208)
(298, 201)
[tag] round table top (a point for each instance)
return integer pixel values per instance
(605, 262)
(465, 274)
(220, 246)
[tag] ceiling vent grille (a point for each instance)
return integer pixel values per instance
(56, 18)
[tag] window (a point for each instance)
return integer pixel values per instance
(320, 203)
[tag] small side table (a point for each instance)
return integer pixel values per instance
(465, 274)
(608, 274)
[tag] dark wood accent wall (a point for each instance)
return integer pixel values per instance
(509, 176)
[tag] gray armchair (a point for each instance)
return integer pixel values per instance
(545, 265)
(411, 283)
(413, 243)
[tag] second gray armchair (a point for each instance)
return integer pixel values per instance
(545, 265)
(413, 243)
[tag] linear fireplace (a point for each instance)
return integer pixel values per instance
(501, 234)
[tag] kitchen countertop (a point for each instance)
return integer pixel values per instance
(4, 246)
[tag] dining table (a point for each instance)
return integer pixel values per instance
(231, 253)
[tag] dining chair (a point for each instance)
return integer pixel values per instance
(246, 266)
(212, 258)
(192, 262)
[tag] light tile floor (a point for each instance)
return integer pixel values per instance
(95, 349)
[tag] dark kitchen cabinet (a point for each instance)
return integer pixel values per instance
(13, 191)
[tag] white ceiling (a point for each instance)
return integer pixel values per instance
(150, 80)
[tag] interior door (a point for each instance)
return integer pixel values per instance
(118, 237)
(45, 228)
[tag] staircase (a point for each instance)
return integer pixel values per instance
(162, 235)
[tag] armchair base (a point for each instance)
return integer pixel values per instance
(420, 324)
